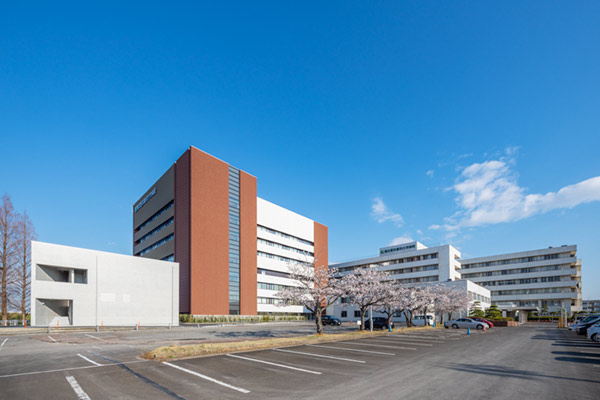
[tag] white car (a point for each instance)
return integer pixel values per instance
(593, 332)
(466, 323)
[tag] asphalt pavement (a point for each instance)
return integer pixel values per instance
(531, 361)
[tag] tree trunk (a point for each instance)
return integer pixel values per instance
(362, 318)
(318, 320)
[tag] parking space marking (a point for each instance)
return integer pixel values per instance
(51, 338)
(91, 361)
(320, 356)
(95, 337)
(77, 389)
(208, 378)
(2, 345)
(274, 364)
(379, 345)
(355, 350)
(430, 338)
(68, 369)
(402, 342)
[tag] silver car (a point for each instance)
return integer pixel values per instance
(466, 323)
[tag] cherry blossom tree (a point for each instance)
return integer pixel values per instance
(364, 288)
(315, 289)
(391, 304)
(449, 300)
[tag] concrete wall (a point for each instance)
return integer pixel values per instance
(120, 289)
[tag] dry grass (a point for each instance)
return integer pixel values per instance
(206, 349)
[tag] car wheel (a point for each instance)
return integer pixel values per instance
(596, 337)
(479, 327)
(454, 326)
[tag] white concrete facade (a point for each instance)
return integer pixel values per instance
(81, 287)
(530, 280)
(412, 263)
(284, 237)
(415, 264)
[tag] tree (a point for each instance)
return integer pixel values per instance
(493, 312)
(8, 249)
(476, 310)
(25, 234)
(316, 288)
(413, 299)
(366, 288)
(391, 302)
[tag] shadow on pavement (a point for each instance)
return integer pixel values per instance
(510, 372)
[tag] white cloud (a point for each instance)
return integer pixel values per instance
(430, 173)
(401, 240)
(382, 214)
(488, 193)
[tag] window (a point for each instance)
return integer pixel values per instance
(155, 245)
(155, 230)
(80, 275)
(356, 314)
(344, 314)
(156, 215)
(284, 235)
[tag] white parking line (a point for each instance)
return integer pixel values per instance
(88, 360)
(69, 369)
(95, 337)
(51, 338)
(2, 345)
(355, 350)
(275, 364)
(379, 345)
(320, 356)
(588, 348)
(208, 378)
(77, 389)
(402, 342)
(430, 338)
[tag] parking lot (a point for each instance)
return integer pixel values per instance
(532, 361)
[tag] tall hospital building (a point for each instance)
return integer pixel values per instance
(233, 248)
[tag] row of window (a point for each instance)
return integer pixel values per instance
(281, 258)
(155, 245)
(433, 278)
(285, 235)
(356, 314)
(516, 260)
(155, 231)
(523, 281)
(413, 269)
(517, 271)
(531, 291)
(155, 215)
(271, 300)
(272, 286)
(477, 296)
(234, 240)
(391, 262)
(169, 258)
(268, 272)
(284, 247)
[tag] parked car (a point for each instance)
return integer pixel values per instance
(419, 320)
(582, 328)
(582, 321)
(490, 323)
(330, 320)
(378, 323)
(593, 332)
(466, 323)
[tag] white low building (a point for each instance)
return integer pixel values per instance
(79, 287)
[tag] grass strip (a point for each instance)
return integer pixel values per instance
(176, 352)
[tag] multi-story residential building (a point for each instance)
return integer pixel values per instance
(591, 306)
(536, 280)
(232, 247)
(414, 263)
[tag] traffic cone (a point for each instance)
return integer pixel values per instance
(468, 331)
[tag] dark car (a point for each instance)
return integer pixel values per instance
(378, 323)
(329, 320)
(490, 323)
(582, 328)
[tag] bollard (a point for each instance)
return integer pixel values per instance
(97, 329)
(169, 326)
(101, 324)
(136, 328)
(56, 324)
(48, 329)
(468, 331)
(197, 325)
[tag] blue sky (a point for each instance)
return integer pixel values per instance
(448, 123)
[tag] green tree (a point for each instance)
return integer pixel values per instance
(476, 310)
(493, 312)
